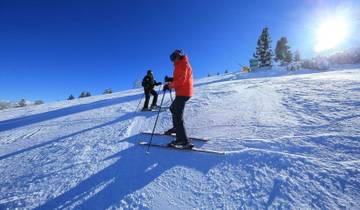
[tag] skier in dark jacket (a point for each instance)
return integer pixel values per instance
(149, 83)
(182, 82)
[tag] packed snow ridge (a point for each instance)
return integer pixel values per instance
(291, 142)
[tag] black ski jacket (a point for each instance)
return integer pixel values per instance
(149, 82)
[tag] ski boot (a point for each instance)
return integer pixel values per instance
(170, 132)
(181, 144)
(145, 109)
(154, 107)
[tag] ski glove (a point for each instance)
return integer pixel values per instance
(168, 79)
(166, 87)
(159, 83)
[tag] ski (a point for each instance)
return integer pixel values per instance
(161, 134)
(155, 110)
(194, 149)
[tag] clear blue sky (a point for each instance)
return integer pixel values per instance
(50, 49)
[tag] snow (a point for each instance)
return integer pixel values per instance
(291, 142)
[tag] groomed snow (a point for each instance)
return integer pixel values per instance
(292, 142)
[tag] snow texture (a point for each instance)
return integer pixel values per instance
(291, 142)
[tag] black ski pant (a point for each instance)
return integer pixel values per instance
(177, 109)
(147, 97)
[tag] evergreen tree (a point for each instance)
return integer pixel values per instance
(288, 58)
(282, 51)
(38, 102)
(226, 71)
(297, 57)
(254, 63)
(84, 94)
(22, 103)
(108, 91)
(71, 97)
(263, 50)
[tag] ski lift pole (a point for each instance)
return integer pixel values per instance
(157, 118)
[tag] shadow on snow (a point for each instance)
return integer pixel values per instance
(132, 171)
(127, 116)
(36, 118)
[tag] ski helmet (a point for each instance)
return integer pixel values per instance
(177, 53)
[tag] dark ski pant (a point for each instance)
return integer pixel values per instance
(147, 97)
(177, 109)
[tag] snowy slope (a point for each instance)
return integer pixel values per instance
(292, 142)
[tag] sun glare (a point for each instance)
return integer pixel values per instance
(331, 33)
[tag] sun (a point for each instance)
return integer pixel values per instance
(331, 33)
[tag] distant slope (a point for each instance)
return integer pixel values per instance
(291, 141)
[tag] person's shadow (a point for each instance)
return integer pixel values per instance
(132, 171)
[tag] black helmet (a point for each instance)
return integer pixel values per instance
(149, 72)
(177, 53)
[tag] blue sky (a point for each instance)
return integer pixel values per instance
(51, 49)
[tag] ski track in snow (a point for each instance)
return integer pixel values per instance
(291, 142)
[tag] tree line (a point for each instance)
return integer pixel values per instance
(85, 94)
(23, 102)
(264, 55)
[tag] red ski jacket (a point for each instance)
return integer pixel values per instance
(183, 79)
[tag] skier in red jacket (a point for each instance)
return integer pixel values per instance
(182, 82)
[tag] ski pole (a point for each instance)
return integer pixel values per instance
(171, 96)
(138, 104)
(157, 117)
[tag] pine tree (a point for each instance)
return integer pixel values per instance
(282, 51)
(263, 50)
(85, 94)
(82, 94)
(108, 91)
(38, 102)
(22, 103)
(71, 97)
(226, 71)
(288, 58)
(297, 57)
(254, 63)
